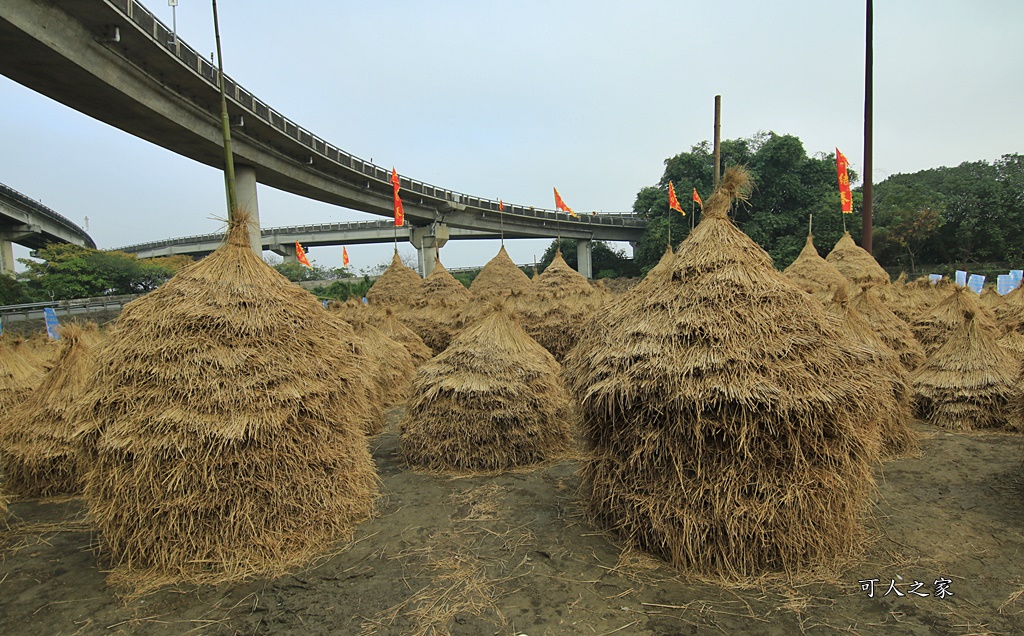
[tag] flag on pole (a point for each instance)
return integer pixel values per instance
(300, 254)
(560, 204)
(696, 198)
(845, 197)
(399, 212)
(344, 256)
(673, 202)
(501, 205)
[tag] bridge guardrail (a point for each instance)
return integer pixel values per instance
(152, 27)
(46, 211)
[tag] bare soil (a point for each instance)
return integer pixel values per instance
(513, 554)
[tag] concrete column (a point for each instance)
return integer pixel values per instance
(428, 241)
(245, 189)
(6, 257)
(287, 252)
(583, 248)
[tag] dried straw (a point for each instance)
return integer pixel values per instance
(968, 382)
(891, 397)
(388, 364)
(895, 333)
(1010, 312)
(224, 426)
(433, 311)
(493, 400)
(1013, 341)
(21, 371)
(855, 263)
(813, 274)
(499, 277)
(37, 454)
(723, 411)
(396, 285)
(933, 327)
(394, 329)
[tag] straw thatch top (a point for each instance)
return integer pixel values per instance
(559, 280)
(1010, 312)
(440, 287)
(397, 285)
(933, 327)
(499, 277)
(813, 274)
(892, 329)
(855, 263)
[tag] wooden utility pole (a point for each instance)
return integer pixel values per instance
(229, 160)
(718, 139)
(865, 239)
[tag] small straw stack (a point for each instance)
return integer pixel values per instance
(433, 311)
(933, 327)
(723, 412)
(895, 333)
(891, 401)
(815, 275)
(492, 401)
(1010, 312)
(388, 364)
(223, 427)
(396, 285)
(37, 454)
(499, 277)
(968, 382)
(856, 264)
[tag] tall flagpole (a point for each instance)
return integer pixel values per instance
(867, 205)
(229, 162)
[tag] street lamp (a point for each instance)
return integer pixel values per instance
(173, 4)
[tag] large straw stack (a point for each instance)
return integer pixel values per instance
(855, 263)
(21, 371)
(396, 285)
(895, 333)
(499, 277)
(36, 449)
(724, 413)
(558, 306)
(493, 400)
(891, 401)
(933, 327)
(968, 382)
(225, 426)
(433, 312)
(815, 275)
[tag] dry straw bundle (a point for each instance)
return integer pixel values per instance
(557, 307)
(1013, 341)
(895, 333)
(724, 413)
(891, 399)
(224, 426)
(499, 277)
(384, 320)
(933, 327)
(968, 382)
(493, 400)
(396, 285)
(855, 263)
(21, 371)
(813, 274)
(433, 312)
(388, 364)
(37, 454)
(1010, 312)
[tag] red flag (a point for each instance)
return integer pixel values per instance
(845, 197)
(673, 202)
(696, 198)
(501, 205)
(399, 212)
(344, 256)
(560, 204)
(300, 254)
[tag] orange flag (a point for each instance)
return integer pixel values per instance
(696, 198)
(845, 197)
(560, 204)
(300, 254)
(673, 202)
(344, 256)
(399, 211)
(501, 205)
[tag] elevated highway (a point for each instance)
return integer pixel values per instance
(28, 222)
(115, 61)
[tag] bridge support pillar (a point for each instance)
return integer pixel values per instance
(287, 252)
(583, 251)
(6, 257)
(428, 241)
(245, 189)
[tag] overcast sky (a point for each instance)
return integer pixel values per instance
(506, 99)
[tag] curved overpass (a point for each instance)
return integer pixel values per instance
(28, 222)
(113, 60)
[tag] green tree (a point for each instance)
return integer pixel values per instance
(71, 271)
(13, 292)
(298, 272)
(604, 259)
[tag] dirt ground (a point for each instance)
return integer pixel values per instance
(513, 555)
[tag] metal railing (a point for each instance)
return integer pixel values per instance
(46, 211)
(25, 311)
(160, 34)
